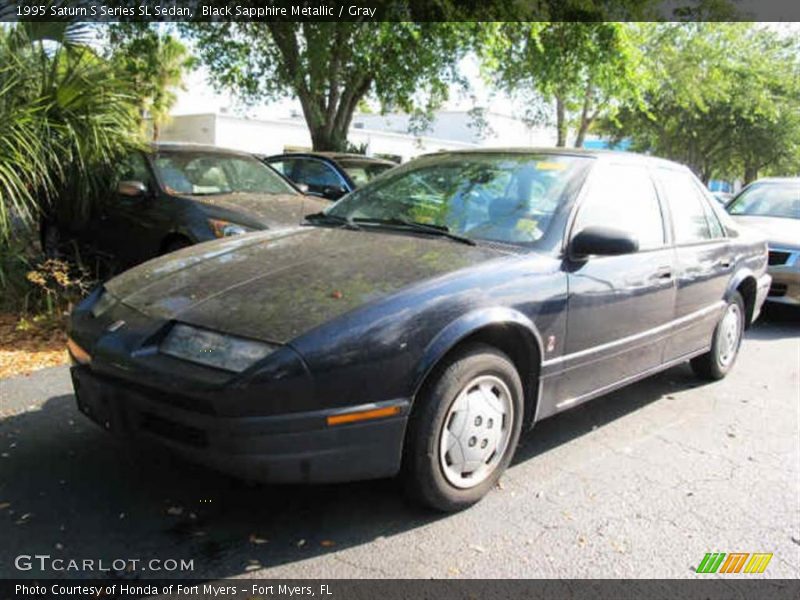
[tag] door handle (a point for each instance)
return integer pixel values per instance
(724, 263)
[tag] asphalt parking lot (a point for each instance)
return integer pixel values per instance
(640, 483)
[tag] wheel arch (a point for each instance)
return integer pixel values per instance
(506, 329)
(745, 282)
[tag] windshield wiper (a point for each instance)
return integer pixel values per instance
(440, 230)
(326, 219)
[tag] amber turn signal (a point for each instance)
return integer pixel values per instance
(79, 354)
(363, 415)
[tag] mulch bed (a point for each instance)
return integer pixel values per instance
(27, 349)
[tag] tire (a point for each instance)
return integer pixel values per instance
(485, 428)
(727, 338)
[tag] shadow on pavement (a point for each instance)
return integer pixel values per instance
(777, 321)
(74, 492)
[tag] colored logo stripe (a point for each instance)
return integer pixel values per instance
(734, 562)
(758, 563)
(711, 562)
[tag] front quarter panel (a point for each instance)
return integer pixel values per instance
(383, 350)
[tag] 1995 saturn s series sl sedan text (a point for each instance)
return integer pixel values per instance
(421, 323)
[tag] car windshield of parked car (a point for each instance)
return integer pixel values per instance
(497, 197)
(363, 171)
(768, 200)
(210, 173)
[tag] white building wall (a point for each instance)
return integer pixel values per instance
(500, 131)
(200, 129)
(276, 136)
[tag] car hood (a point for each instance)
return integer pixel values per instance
(777, 231)
(265, 210)
(277, 285)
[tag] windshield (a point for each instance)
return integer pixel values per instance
(207, 173)
(497, 197)
(769, 200)
(363, 171)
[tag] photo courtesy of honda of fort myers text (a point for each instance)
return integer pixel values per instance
(405, 299)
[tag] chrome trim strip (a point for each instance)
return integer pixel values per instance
(630, 379)
(674, 324)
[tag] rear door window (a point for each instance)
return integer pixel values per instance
(688, 208)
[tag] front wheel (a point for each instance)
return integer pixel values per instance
(717, 362)
(463, 433)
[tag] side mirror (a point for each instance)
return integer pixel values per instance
(602, 241)
(132, 189)
(303, 187)
(333, 192)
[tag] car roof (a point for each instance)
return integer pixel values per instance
(776, 180)
(334, 156)
(191, 147)
(604, 154)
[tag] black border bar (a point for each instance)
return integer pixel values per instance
(398, 10)
(702, 588)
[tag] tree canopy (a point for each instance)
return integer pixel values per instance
(723, 98)
(155, 63)
(331, 67)
(578, 71)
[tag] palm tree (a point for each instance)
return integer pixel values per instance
(65, 119)
(156, 64)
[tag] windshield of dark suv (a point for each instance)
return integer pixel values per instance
(209, 173)
(501, 197)
(779, 199)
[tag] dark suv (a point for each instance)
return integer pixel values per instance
(177, 195)
(328, 175)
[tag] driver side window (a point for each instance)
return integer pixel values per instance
(623, 197)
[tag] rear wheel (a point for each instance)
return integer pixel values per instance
(717, 362)
(464, 431)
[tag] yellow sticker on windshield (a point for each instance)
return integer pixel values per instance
(530, 226)
(550, 166)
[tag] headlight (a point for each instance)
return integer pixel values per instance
(226, 228)
(103, 303)
(213, 349)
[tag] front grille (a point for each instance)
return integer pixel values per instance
(184, 434)
(776, 257)
(777, 290)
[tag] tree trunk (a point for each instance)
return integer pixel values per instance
(586, 117)
(561, 122)
(156, 130)
(750, 173)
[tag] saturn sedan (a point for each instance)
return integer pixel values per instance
(419, 325)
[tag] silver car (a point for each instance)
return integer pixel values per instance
(773, 206)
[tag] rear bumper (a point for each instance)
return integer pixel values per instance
(292, 448)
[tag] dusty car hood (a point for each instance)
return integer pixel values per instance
(777, 231)
(270, 210)
(276, 285)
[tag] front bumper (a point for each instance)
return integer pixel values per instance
(785, 272)
(762, 291)
(290, 448)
